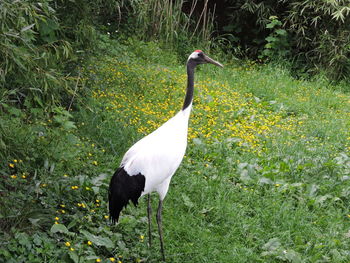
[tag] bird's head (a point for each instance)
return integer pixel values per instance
(198, 57)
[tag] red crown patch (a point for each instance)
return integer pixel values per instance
(198, 50)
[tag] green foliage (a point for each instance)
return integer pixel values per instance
(318, 32)
(265, 177)
(31, 54)
(277, 42)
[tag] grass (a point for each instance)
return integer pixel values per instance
(265, 177)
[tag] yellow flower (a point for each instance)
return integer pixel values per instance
(11, 165)
(15, 161)
(67, 244)
(94, 163)
(98, 260)
(13, 176)
(87, 188)
(56, 223)
(71, 249)
(89, 243)
(65, 175)
(348, 215)
(112, 259)
(56, 218)
(106, 217)
(277, 185)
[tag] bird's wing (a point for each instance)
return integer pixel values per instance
(159, 154)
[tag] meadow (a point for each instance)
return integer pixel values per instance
(266, 176)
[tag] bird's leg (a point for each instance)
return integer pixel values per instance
(160, 230)
(149, 212)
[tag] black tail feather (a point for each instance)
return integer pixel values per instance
(123, 188)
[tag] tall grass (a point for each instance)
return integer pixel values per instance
(165, 21)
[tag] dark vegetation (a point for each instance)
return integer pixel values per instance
(64, 63)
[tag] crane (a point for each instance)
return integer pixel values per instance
(150, 163)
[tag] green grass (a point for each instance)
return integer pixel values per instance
(265, 177)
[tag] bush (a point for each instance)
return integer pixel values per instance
(318, 32)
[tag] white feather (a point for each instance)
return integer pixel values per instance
(158, 155)
(194, 55)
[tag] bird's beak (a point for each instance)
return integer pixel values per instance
(212, 61)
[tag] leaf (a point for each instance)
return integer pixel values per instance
(270, 39)
(69, 125)
(281, 32)
(321, 199)
(292, 256)
(313, 189)
(98, 181)
(74, 256)
(265, 180)
(197, 141)
(27, 27)
(272, 244)
(34, 221)
(60, 228)
(97, 240)
(187, 201)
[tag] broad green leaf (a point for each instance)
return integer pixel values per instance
(187, 201)
(60, 228)
(281, 32)
(292, 256)
(98, 240)
(74, 256)
(272, 244)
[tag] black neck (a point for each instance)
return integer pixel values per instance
(190, 84)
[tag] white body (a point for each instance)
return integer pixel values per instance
(158, 155)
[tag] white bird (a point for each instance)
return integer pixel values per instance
(150, 163)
